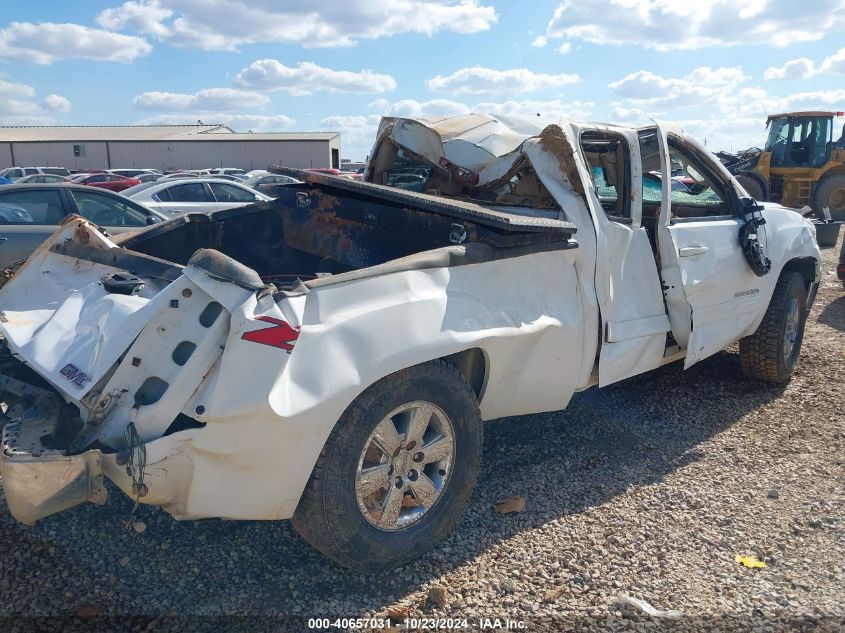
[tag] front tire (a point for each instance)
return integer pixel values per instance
(771, 353)
(754, 184)
(396, 472)
(830, 193)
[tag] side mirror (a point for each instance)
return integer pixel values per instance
(151, 219)
(749, 205)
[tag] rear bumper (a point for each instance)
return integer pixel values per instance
(39, 482)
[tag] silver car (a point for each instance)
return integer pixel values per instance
(175, 197)
(267, 182)
(29, 213)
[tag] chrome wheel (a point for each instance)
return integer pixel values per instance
(405, 465)
(791, 328)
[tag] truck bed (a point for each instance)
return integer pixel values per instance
(334, 225)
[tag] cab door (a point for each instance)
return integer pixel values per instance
(633, 317)
(712, 294)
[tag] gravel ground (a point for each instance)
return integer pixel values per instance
(648, 488)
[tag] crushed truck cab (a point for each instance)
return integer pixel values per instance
(329, 356)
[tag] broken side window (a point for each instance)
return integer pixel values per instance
(608, 159)
(697, 191)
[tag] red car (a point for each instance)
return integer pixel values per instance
(112, 182)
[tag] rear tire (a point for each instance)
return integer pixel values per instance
(352, 524)
(771, 353)
(830, 192)
(754, 184)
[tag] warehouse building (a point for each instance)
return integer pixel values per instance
(164, 147)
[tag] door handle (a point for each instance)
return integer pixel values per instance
(3, 239)
(693, 250)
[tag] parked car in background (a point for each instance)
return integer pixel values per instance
(227, 171)
(176, 197)
(178, 175)
(266, 182)
(147, 177)
(42, 178)
(14, 173)
(230, 178)
(134, 172)
(112, 182)
(29, 213)
(193, 172)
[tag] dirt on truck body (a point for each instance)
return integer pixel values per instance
(329, 357)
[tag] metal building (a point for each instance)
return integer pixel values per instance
(164, 147)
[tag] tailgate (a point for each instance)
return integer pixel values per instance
(117, 356)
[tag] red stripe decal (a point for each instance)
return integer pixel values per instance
(280, 335)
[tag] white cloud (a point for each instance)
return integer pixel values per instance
(564, 48)
(729, 114)
(487, 81)
(800, 68)
(227, 24)
(57, 103)
(357, 133)
(804, 67)
(819, 99)
(46, 42)
(552, 110)
(410, 108)
(834, 63)
(210, 99)
(18, 105)
(627, 116)
(10, 89)
(726, 134)
(671, 24)
(356, 121)
(238, 122)
(700, 86)
(144, 17)
(307, 78)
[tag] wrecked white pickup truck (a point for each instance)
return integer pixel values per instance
(329, 357)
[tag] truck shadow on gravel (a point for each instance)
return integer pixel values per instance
(833, 314)
(630, 434)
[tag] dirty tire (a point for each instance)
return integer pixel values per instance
(328, 516)
(764, 355)
(754, 184)
(830, 192)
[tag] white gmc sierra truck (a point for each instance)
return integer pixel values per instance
(329, 357)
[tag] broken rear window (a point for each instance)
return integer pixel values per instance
(407, 173)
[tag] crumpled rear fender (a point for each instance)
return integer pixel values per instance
(268, 411)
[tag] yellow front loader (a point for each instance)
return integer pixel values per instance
(802, 163)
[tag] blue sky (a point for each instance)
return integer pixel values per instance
(715, 66)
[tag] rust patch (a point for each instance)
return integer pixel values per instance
(81, 234)
(325, 201)
(553, 140)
